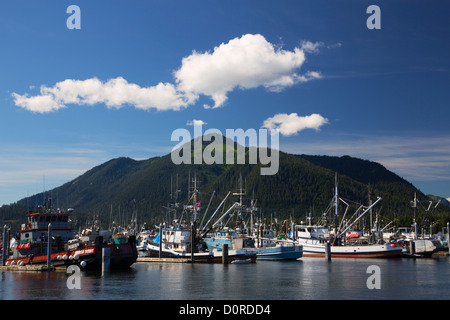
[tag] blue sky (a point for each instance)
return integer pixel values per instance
(138, 70)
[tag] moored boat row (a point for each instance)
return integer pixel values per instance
(47, 237)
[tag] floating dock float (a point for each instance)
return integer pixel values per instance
(163, 260)
(24, 268)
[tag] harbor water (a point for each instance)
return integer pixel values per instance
(304, 279)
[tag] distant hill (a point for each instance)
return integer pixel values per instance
(121, 187)
(444, 201)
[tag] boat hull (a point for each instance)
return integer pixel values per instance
(203, 257)
(279, 253)
(418, 248)
(368, 251)
(122, 256)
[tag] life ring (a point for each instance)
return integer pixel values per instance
(170, 246)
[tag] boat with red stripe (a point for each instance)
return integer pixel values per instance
(36, 237)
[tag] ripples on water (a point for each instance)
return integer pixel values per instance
(308, 278)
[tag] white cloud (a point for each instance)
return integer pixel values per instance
(290, 124)
(196, 123)
(115, 93)
(41, 104)
(246, 62)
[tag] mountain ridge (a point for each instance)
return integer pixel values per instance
(304, 183)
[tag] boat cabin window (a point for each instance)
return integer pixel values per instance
(27, 235)
(41, 219)
(302, 229)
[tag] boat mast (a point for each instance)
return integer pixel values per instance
(194, 195)
(240, 194)
(371, 214)
(414, 221)
(336, 203)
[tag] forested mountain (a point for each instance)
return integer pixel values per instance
(123, 187)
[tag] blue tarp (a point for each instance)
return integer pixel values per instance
(156, 239)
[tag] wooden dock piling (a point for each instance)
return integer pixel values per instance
(106, 260)
(328, 251)
(193, 233)
(49, 247)
(5, 245)
(225, 254)
(160, 240)
(448, 237)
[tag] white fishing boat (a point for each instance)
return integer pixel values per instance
(314, 240)
(415, 245)
(317, 239)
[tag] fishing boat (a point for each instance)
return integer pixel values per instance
(265, 248)
(176, 242)
(48, 235)
(279, 250)
(143, 239)
(261, 242)
(316, 239)
(415, 245)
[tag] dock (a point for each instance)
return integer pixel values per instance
(33, 268)
(441, 253)
(24, 268)
(163, 260)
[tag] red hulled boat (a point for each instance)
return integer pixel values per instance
(84, 251)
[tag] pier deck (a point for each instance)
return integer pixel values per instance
(24, 268)
(162, 260)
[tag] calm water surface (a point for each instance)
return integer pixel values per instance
(308, 278)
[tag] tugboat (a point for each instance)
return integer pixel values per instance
(84, 251)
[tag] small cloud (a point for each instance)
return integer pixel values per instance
(335, 45)
(196, 123)
(291, 124)
(311, 47)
